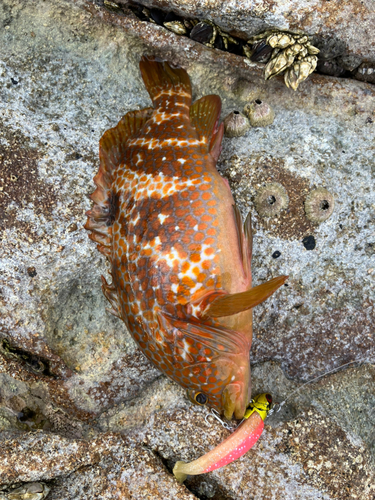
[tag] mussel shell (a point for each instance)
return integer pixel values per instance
(236, 48)
(158, 16)
(262, 52)
(202, 32)
(219, 44)
(171, 16)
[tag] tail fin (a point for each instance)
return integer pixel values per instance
(160, 78)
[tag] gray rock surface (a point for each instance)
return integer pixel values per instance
(80, 407)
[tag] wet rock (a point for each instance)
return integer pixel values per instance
(69, 372)
(33, 457)
(108, 467)
(365, 72)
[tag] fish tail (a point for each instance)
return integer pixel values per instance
(163, 81)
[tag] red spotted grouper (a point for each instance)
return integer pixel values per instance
(179, 253)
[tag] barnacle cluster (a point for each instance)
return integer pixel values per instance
(29, 491)
(281, 50)
(291, 53)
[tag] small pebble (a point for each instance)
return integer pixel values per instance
(309, 242)
(31, 271)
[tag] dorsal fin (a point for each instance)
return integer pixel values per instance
(204, 117)
(243, 301)
(112, 147)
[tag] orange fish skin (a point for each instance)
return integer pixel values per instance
(165, 219)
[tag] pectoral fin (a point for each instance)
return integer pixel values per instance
(238, 302)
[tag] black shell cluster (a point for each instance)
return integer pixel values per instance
(202, 31)
(207, 33)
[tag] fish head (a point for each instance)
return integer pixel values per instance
(211, 362)
(227, 389)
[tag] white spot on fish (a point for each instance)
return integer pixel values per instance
(162, 218)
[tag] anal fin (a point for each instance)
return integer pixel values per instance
(243, 301)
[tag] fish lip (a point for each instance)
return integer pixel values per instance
(234, 402)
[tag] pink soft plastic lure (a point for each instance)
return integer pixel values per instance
(236, 445)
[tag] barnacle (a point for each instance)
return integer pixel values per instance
(291, 53)
(271, 199)
(30, 491)
(259, 113)
(177, 27)
(236, 124)
(319, 205)
(299, 71)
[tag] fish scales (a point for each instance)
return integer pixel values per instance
(166, 220)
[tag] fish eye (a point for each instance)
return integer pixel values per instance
(200, 398)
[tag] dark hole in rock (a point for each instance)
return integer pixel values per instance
(26, 414)
(309, 242)
(324, 205)
(258, 101)
(271, 200)
(236, 112)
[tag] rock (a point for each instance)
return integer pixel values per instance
(108, 467)
(349, 30)
(39, 456)
(69, 372)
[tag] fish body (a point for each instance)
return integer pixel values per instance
(178, 250)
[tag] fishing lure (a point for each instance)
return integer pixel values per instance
(234, 446)
(246, 434)
(179, 252)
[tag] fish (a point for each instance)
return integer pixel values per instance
(234, 446)
(179, 252)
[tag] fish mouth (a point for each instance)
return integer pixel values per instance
(234, 402)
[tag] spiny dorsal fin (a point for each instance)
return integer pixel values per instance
(204, 117)
(239, 302)
(112, 147)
